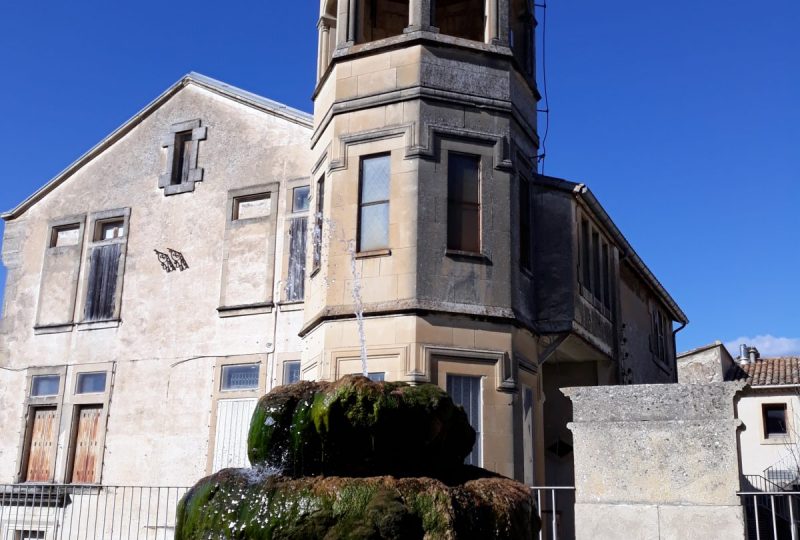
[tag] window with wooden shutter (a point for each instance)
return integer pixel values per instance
(42, 444)
(233, 425)
(102, 285)
(86, 445)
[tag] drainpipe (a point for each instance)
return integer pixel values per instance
(674, 344)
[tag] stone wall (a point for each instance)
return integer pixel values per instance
(656, 461)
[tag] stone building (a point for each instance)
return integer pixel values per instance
(219, 244)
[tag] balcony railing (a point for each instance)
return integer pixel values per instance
(63, 512)
(557, 511)
(771, 515)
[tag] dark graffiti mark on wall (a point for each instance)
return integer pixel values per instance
(166, 262)
(174, 261)
(178, 260)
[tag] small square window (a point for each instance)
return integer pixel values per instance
(91, 383)
(252, 206)
(774, 415)
(45, 385)
(67, 235)
(109, 230)
(301, 198)
(291, 372)
(240, 377)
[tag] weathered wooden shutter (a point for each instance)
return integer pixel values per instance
(87, 445)
(466, 391)
(43, 441)
(295, 284)
(233, 425)
(102, 284)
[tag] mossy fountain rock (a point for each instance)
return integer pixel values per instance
(357, 427)
(235, 504)
(357, 460)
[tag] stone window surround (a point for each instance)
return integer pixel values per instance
(273, 188)
(288, 199)
(218, 394)
(77, 219)
(195, 173)
(29, 406)
(504, 369)
(95, 220)
(790, 431)
(283, 368)
(75, 401)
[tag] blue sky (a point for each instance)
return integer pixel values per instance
(681, 116)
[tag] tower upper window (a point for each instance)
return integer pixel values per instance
(378, 19)
(461, 18)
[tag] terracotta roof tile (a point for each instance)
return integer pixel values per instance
(767, 371)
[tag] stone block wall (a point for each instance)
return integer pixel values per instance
(656, 462)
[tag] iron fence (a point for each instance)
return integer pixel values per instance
(771, 515)
(556, 510)
(63, 512)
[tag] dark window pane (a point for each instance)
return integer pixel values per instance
(775, 420)
(463, 227)
(91, 383)
(375, 179)
(376, 376)
(463, 178)
(295, 283)
(596, 278)
(606, 277)
(102, 283)
(180, 161)
(374, 227)
(44, 385)
(460, 18)
(240, 377)
(291, 372)
(586, 269)
(318, 222)
(301, 198)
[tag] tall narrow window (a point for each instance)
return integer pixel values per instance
(318, 222)
(86, 445)
(586, 268)
(42, 441)
(463, 203)
(180, 157)
(461, 18)
(524, 223)
(466, 391)
(528, 437)
(774, 416)
(102, 285)
(373, 213)
(295, 283)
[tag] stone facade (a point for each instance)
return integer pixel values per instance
(656, 462)
(179, 228)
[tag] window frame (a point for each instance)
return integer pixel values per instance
(479, 158)
(166, 180)
(218, 395)
(250, 197)
(596, 269)
(776, 438)
(95, 223)
(362, 204)
(76, 402)
(526, 206)
(284, 368)
(225, 367)
(319, 225)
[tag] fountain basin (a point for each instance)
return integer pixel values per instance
(236, 504)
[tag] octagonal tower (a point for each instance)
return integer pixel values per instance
(424, 145)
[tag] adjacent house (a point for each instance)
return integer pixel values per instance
(219, 244)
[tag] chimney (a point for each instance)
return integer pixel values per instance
(744, 357)
(753, 354)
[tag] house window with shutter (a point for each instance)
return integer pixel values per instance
(596, 262)
(660, 334)
(89, 398)
(40, 442)
(106, 258)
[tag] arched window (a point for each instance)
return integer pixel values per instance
(461, 18)
(521, 35)
(378, 19)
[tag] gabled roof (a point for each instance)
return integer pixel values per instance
(231, 92)
(781, 371)
(582, 193)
